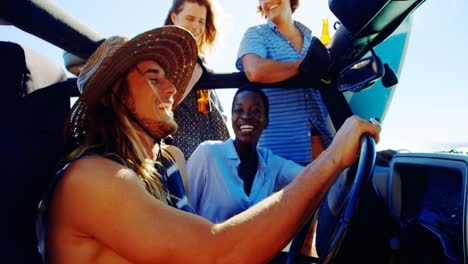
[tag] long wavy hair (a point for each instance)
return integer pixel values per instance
(208, 38)
(294, 6)
(112, 134)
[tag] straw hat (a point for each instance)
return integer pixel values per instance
(173, 47)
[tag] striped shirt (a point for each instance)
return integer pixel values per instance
(291, 110)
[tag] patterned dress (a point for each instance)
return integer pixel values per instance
(196, 127)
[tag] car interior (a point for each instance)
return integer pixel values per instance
(31, 140)
(411, 208)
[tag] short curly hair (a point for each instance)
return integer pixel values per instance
(294, 6)
(257, 90)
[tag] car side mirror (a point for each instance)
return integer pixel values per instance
(360, 74)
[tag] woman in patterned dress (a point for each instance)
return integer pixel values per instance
(197, 123)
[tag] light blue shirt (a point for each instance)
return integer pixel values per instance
(216, 191)
(288, 132)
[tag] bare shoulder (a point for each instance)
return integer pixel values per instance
(91, 187)
(101, 209)
(99, 171)
(175, 152)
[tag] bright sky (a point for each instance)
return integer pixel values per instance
(429, 111)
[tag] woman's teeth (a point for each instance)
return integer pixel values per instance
(246, 128)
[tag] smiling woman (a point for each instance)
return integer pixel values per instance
(200, 116)
(226, 178)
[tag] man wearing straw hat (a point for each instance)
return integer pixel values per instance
(112, 201)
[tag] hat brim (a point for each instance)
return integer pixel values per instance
(173, 47)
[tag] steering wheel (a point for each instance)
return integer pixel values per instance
(346, 204)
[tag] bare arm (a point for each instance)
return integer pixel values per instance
(263, 70)
(111, 205)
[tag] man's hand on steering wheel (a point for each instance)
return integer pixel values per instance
(346, 143)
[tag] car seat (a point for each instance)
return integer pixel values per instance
(31, 143)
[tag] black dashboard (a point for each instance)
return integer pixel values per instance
(427, 197)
